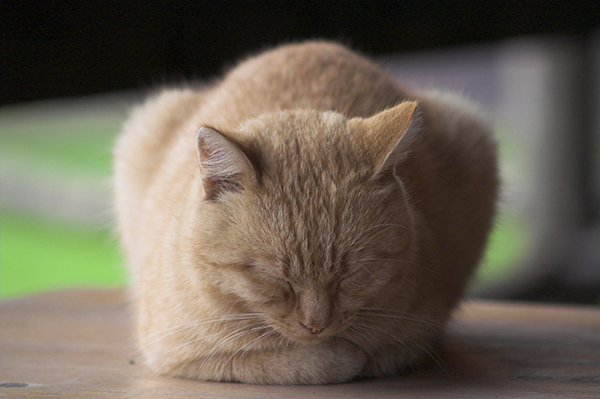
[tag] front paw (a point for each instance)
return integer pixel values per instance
(314, 364)
(341, 361)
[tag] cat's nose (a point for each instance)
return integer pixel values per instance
(315, 328)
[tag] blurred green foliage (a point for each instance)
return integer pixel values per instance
(40, 254)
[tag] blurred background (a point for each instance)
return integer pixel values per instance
(69, 71)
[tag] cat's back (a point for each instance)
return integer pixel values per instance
(142, 150)
(313, 75)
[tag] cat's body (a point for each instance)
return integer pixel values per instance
(281, 227)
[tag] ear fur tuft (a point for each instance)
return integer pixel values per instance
(223, 165)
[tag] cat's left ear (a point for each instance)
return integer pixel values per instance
(224, 167)
(389, 134)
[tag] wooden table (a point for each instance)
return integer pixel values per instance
(76, 344)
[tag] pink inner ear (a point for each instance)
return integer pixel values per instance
(223, 165)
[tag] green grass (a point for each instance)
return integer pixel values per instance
(40, 254)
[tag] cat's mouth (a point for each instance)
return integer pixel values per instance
(308, 334)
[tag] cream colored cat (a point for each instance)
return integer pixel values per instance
(304, 221)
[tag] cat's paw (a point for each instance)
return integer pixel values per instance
(336, 362)
(349, 361)
(323, 363)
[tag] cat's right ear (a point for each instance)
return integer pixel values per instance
(388, 135)
(224, 167)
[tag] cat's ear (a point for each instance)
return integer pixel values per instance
(223, 165)
(389, 134)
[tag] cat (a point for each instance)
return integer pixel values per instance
(303, 221)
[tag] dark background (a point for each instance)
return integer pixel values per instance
(75, 47)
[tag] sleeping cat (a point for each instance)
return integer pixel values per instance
(304, 221)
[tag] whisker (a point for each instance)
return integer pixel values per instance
(236, 334)
(183, 327)
(368, 271)
(437, 359)
(401, 261)
(230, 336)
(377, 312)
(240, 332)
(377, 328)
(362, 332)
(372, 228)
(281, 339)
(249, 345)
(216, 319)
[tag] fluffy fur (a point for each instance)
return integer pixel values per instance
(304, 221)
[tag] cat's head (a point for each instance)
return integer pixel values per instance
(304, 216)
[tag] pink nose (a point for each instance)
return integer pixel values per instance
(314, 329)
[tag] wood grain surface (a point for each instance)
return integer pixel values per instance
(77, 344)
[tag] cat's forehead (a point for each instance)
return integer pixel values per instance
(307, 146)
(302, 125)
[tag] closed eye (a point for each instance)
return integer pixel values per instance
(291, 287)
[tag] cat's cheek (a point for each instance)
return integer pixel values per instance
(356, 290)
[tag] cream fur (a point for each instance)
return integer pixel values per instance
(304, 221)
